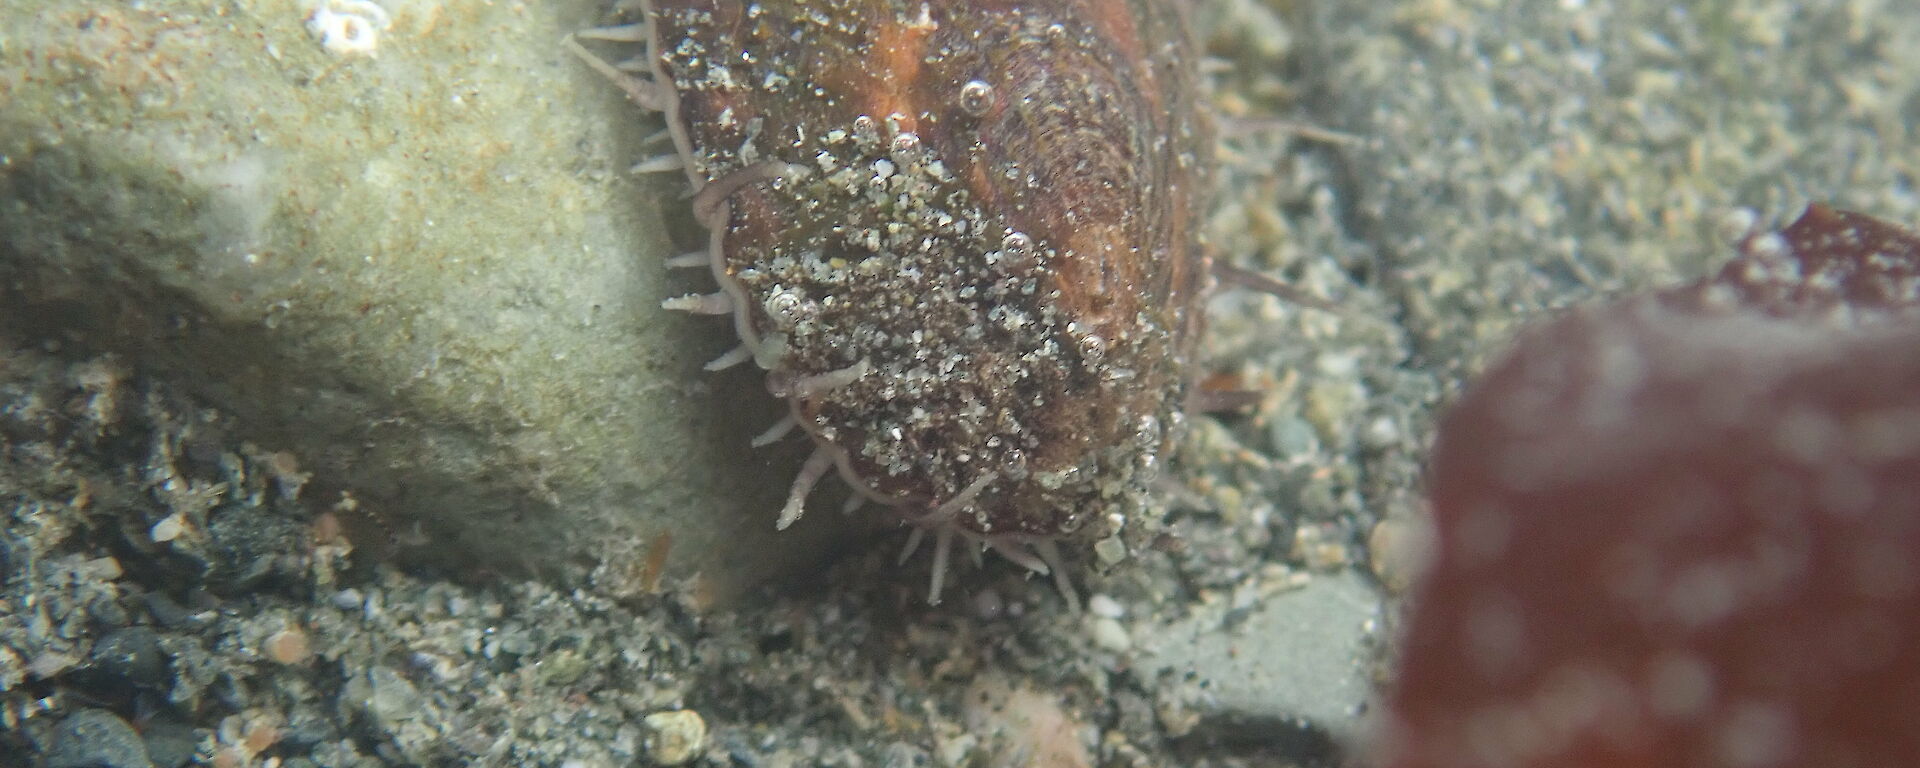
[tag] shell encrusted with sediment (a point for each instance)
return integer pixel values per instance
(960, 235)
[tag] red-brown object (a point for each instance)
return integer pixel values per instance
(1684, 530)
(960, 235)
(1826, 260)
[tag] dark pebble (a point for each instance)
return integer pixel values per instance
(133, 655)
(170, 743)
(167, 611)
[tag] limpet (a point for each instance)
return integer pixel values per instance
(960, 235)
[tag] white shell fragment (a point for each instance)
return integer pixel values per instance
(348, 27)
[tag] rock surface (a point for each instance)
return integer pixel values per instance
(424, 270)
(1299, 657)
(96, 738)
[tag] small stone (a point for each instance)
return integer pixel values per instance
(1104, 606)
(168, 528)
(1108, 634)
(50, 664)
(96, 738)
(100, 569)
(955, 752)
(166, 611)
(13, 669)
(1396, 547)
(348, 599)
(289, 646)
(385, 696)
(131, 655)
(675, 737)
(1321, 549)
(1110, 550)
(1299, 655)
(260, 737)
(170, 744)
(1293, 436)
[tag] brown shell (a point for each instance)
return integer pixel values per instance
(961, 235)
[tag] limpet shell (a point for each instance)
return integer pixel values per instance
(962, 238)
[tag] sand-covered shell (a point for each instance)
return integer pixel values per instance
(960, 235)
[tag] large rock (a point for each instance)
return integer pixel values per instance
(424, 272)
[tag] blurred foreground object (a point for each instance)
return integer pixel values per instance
(1684, 529)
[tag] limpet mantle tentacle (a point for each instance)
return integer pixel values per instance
(961, 238)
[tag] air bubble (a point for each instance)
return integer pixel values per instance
(1147, 431)
(1147, 470)
(1017, 245)
(1013, 464)
(976, 97)
(1092, 348)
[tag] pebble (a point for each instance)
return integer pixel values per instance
(169, 528)
(1108, 634)
(386, 696)
(1105, 607)
(675, 737)
(289, 646)
(96, 738)
(956, 751)
(1296, 655)
(165, 611)
(170, 743)
(1396, 551)
(348, 599)
(132, 654)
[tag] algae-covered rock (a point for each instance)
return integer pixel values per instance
(402, 245)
